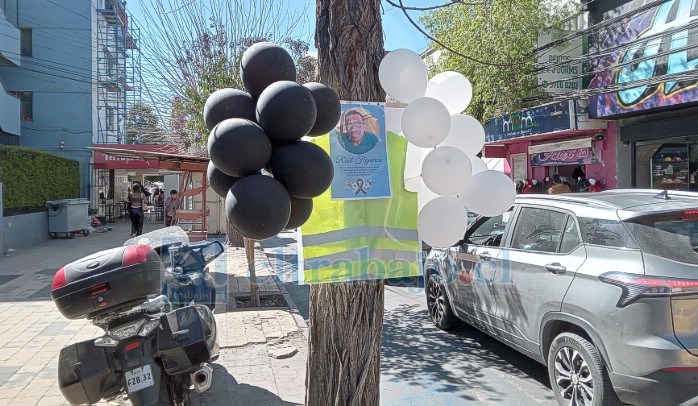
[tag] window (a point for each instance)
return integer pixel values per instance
(608, 233)
(26, 105)
(25, 38)
(570, 237)
(672, 235)
(490, 231)
(539, 230)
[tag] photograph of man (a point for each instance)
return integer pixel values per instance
(356, 136)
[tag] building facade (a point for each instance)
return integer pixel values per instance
(556, 138)
(649, 56)
(67, 73)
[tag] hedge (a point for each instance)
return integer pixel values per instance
(32, 177)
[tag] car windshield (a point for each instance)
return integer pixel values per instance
(668, 235)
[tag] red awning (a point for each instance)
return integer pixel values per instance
(144, 156)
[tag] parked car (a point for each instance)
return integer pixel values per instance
(601, 288)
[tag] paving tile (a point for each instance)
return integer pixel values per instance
(52, 401)
(25, 401)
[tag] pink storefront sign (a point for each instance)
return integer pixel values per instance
(579, 156)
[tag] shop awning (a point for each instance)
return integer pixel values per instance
(165, 157)
(560, 146)
(128, 157)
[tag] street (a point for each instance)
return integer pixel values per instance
(422, 365)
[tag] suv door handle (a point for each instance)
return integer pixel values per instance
(485, 256)
(555, 268)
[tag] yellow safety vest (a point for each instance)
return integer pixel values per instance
(363, 239)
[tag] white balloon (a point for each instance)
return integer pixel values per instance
(489, 193)
(478, 164)
(403, 75)
(466, 134)
(452, 89)
(446, 170)
(426, 122)
(442, 222)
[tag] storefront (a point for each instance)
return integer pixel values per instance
(556, 138)
(658, 118)
(660, 150)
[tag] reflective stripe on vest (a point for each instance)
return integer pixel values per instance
(362, 239)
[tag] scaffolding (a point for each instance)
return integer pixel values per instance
(118, 73)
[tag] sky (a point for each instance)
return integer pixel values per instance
(398, 31)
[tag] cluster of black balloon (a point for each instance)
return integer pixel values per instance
(262, 129)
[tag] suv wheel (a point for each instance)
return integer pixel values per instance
(438, 303)
(577, 373)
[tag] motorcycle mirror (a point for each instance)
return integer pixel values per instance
(212, 251)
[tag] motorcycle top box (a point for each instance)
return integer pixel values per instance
(107, 280)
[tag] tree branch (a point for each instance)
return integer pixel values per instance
(437, 6)
(444, 46)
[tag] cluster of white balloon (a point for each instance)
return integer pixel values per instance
(442, 163)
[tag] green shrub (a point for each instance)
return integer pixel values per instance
(32, 177)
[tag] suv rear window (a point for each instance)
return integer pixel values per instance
(668, 235)
(607, 233)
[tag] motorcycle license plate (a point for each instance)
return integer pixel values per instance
(139, 378)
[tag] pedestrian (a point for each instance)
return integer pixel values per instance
(527, 188)
(136, 201)
(537, 186)
(594, 185)
(171, 206)
(558, 186)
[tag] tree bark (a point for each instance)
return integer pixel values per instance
(346, 319)
(235, 239)
(349, 40)
(252, 272)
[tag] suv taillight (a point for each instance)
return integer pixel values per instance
(637, 286)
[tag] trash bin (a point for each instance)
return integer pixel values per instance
(67, 217)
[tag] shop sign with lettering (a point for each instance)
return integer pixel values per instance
(579, 156)
(539, 120)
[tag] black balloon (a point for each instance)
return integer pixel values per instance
(258, 206)
(264, 63)
(238, 147)
(300, 212)
(219, 181)
(286, 111)
(303, 168)
(228, 103)
(328, 108)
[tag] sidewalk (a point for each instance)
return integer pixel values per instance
(263, 351)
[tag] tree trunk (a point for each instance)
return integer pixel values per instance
(235, 239)
(346, 319)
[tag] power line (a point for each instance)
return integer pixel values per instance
(596, 27)
(691, 76)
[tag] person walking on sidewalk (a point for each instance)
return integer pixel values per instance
(171, 206)
(136, 199)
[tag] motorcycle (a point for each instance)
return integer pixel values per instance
(186, 280)
(152, 352)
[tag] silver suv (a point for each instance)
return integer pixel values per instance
(600, 287)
